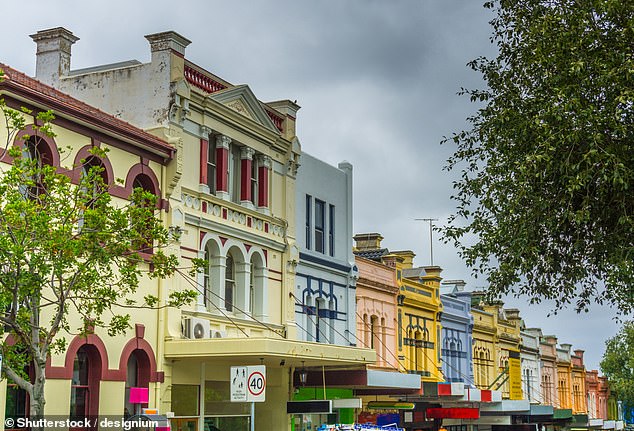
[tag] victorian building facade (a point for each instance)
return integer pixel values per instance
(231, 192)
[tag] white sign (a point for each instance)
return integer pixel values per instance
(248, 384)
(256, 383)
(238, 383)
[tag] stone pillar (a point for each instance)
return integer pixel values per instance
(53, 54)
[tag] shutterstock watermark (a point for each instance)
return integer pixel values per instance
(88, 423)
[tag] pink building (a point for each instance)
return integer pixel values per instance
(376, 310)
(592, 388)
(548, 350)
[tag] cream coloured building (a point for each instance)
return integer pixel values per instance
(94, 374)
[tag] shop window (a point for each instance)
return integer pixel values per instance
(185, 400)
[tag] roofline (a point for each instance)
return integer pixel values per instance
(20, 87)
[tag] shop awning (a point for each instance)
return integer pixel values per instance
(506, 407)
(365, 382)
(254, 350)
(562, 414)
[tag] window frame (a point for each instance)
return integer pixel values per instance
(320, 240)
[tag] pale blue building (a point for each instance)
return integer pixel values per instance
(457, 329)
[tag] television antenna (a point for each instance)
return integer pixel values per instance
(431, 231)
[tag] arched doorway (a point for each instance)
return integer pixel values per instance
(85, 382)
(137, 376)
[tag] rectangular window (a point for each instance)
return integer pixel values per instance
(308, 213)
(211, 167)
(331, 230)
(320, 208)
(254, 181)
(234, 173)
(185, 400)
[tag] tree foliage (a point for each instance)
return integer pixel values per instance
(618, 364)
(546, 185)
(71, 259)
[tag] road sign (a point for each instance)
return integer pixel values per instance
(238, 384)
(248, 384)
(256, 383)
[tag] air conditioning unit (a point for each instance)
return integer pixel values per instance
(196, 328)
(218, 334)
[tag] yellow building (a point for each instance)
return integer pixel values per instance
(94, 374)
(230, 191)
(564, 376)
(419, 307)
(484, 350)
(496, 348)
(579, 401)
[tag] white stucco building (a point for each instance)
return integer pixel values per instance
(326, 274)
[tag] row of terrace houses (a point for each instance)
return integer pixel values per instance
(283, 286)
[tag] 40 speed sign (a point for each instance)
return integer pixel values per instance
(248, 384)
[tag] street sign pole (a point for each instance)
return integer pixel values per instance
(252, 416)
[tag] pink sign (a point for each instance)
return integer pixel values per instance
(139, 395)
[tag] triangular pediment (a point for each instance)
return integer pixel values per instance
(242, 100)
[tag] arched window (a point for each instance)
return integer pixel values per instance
(258, 286)
(137, 376)
(84, 395)
(95, 165)
(144, 245)
(38, 151)
(230, 283)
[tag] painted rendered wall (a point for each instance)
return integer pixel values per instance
(376, 301)
(326, 278)
(457, 324)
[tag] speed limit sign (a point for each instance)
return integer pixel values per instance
(256, 383)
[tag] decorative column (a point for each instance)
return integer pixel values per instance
(222, 166)
(246, 164)
(264, 169)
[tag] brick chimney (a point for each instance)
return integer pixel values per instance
(407, 256)
(53, 54)
(367, 241)
(168, 53)
(579, 353)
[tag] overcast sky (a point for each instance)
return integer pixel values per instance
(376, 80)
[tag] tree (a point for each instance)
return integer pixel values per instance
(546, 168)
(618, 365)
(68, 248)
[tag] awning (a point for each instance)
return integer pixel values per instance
(562, 414)
(365, 382)
(251, 350)
(506, 407)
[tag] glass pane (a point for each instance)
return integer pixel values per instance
(218, 400)
(79, 402)
(185, 400)
(80, 369)
(228, 423)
